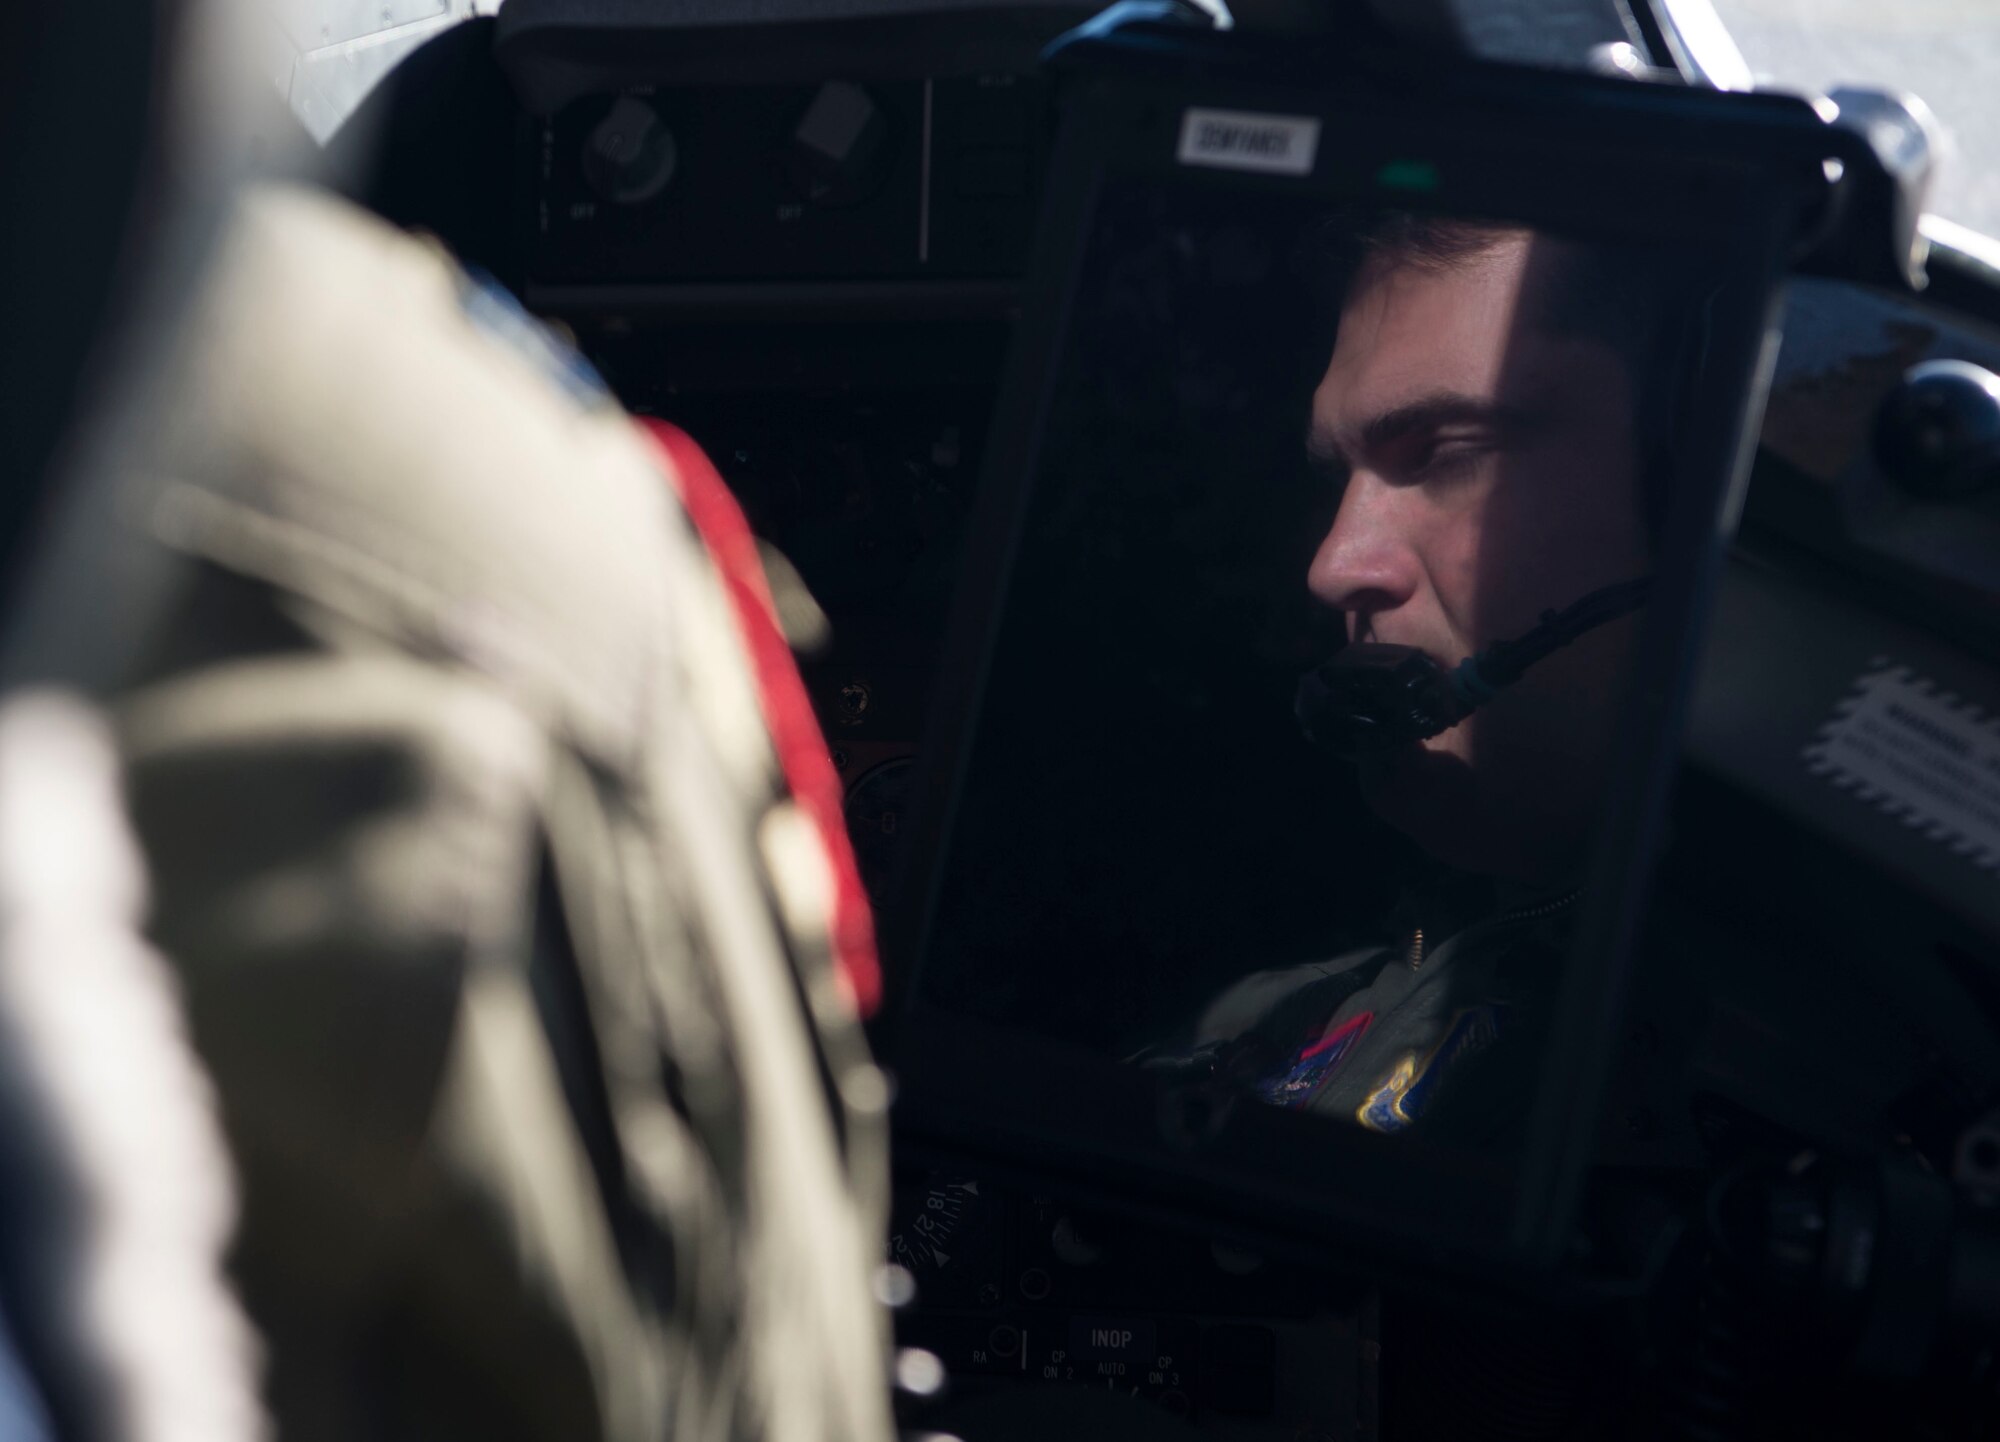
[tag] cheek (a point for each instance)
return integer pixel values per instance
(1560, 527)
(1594, 484)
(1463, 574)
(1560, 721)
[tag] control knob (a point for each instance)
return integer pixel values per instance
(630, 156)
(1937, 435)
(838, 152)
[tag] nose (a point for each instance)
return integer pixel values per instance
(1368, 561)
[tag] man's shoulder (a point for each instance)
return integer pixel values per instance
(1253, 1000)
(398, 449)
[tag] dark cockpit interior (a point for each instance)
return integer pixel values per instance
(1404, 605)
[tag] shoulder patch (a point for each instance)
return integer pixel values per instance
(1400, 1098)
(1297, 1083)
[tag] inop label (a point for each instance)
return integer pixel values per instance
(1922, 755)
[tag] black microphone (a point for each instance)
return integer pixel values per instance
(1372, 697)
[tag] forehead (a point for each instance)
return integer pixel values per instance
(1408, 331)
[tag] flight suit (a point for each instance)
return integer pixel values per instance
(504, 926)
(1387, 1035)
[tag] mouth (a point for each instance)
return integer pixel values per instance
(1377, 697)
(1364, 634)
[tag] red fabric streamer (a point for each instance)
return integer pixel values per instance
(802, 750)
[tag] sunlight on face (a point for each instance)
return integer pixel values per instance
(1489, 474)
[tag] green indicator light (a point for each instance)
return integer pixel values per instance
(1407, 175)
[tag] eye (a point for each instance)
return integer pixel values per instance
(1449, 454)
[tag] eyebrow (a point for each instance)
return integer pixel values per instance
(1427, 413)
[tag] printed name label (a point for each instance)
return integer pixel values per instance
(1244, 140)
(1926, 757)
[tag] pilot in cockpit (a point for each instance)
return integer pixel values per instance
(1496, 415)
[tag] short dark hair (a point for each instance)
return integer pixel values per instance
(1643, 303)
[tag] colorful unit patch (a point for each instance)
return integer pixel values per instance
(1402, 1096)
(1294, 1086)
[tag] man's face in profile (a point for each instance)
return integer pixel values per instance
(1491, 475)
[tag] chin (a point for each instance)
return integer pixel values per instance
(1427, 795)
(1431, 796)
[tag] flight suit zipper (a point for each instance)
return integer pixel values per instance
(1541, 909)
(1414, 951)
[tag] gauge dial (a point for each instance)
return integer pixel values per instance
(875, 822)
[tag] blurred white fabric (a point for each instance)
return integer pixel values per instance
(124, 1199)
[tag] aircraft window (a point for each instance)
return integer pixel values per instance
(1945, 51)
(326, 55)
